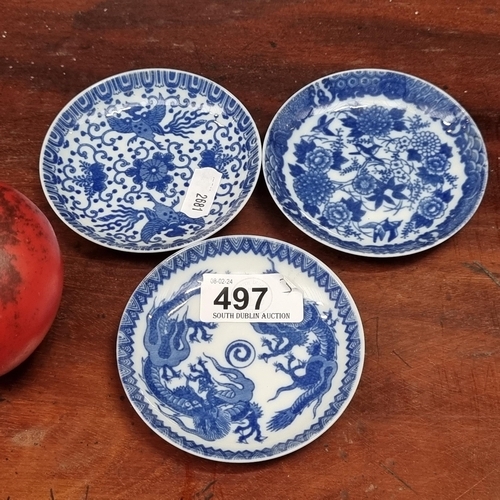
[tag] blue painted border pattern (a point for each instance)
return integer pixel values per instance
(227, 246)
(104, 91)
(393, 86)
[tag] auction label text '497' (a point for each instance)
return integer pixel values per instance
(253, 298)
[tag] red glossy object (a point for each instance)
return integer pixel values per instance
(31, 277)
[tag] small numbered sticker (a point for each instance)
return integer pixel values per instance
(256, 298)
(201, 192)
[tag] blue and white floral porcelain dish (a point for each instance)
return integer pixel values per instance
(375, 163)
(118, 160)
(239, 392)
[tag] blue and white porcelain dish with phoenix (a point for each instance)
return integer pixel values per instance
(239, 392)
(375, 163)
(118, 160)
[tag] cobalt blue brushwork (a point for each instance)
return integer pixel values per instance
(375, 163)
(239, 392)
(118, 160)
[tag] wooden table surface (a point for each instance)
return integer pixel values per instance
(425, 420)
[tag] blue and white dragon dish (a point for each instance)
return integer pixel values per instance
(375, 163)
(239, 392)
(117, 161)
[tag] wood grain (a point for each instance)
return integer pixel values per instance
(425, 421)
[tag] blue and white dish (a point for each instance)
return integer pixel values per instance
(239, 392)
(118, 160)
(375, 163)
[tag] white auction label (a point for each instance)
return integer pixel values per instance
(201, 192)
(254, 298)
